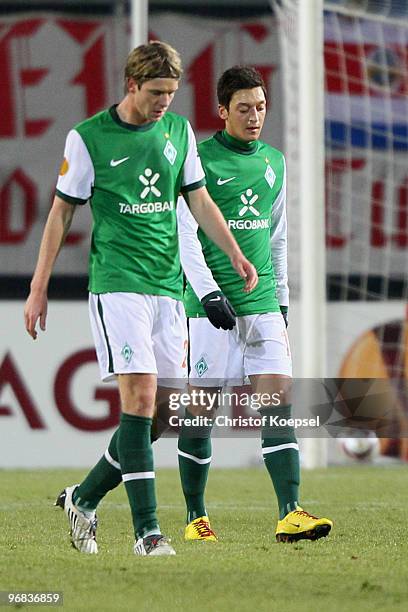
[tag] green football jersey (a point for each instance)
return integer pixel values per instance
(247, 182)
(132, 176)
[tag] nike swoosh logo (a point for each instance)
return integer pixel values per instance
(116, 162)
(216, 299)
(295, 525)
(222, 182)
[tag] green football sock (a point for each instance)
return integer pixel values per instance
(104, 477)
(194, 457)
(136, 461)
(281, 456)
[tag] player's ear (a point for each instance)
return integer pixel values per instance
(223, 112)
(131, 85)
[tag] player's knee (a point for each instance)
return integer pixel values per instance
(138, 394)
(271, 390)
(139, 404)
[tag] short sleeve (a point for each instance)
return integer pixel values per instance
(77, 175)
(193, 173)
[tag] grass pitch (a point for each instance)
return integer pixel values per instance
(362, 565)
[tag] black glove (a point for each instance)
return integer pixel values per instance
(285, 314)
(218, 310)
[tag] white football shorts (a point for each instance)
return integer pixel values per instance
(140, 334)
(258, 344)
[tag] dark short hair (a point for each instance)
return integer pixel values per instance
(235, 78)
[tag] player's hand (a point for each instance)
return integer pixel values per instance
(218, 310)
(246, 270)
(35, 308)
(285, 314)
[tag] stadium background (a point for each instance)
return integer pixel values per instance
(62, 62)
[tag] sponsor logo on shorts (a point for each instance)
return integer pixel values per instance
(127, 352)
(201, 367)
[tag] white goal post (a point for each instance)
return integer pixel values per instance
(345, 77)
(139, 17)
(301, 43)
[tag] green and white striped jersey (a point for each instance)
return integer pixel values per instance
(132, 176)
(248, 182)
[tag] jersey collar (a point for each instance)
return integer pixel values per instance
(130, 126)
(239, 146)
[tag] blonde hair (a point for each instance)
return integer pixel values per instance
(153, 60)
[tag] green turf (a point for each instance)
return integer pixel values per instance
(361, 566)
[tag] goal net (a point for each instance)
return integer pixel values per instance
(365, 114)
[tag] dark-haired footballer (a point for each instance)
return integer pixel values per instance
(247, 179)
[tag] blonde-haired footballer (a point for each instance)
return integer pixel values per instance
(131, 161)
